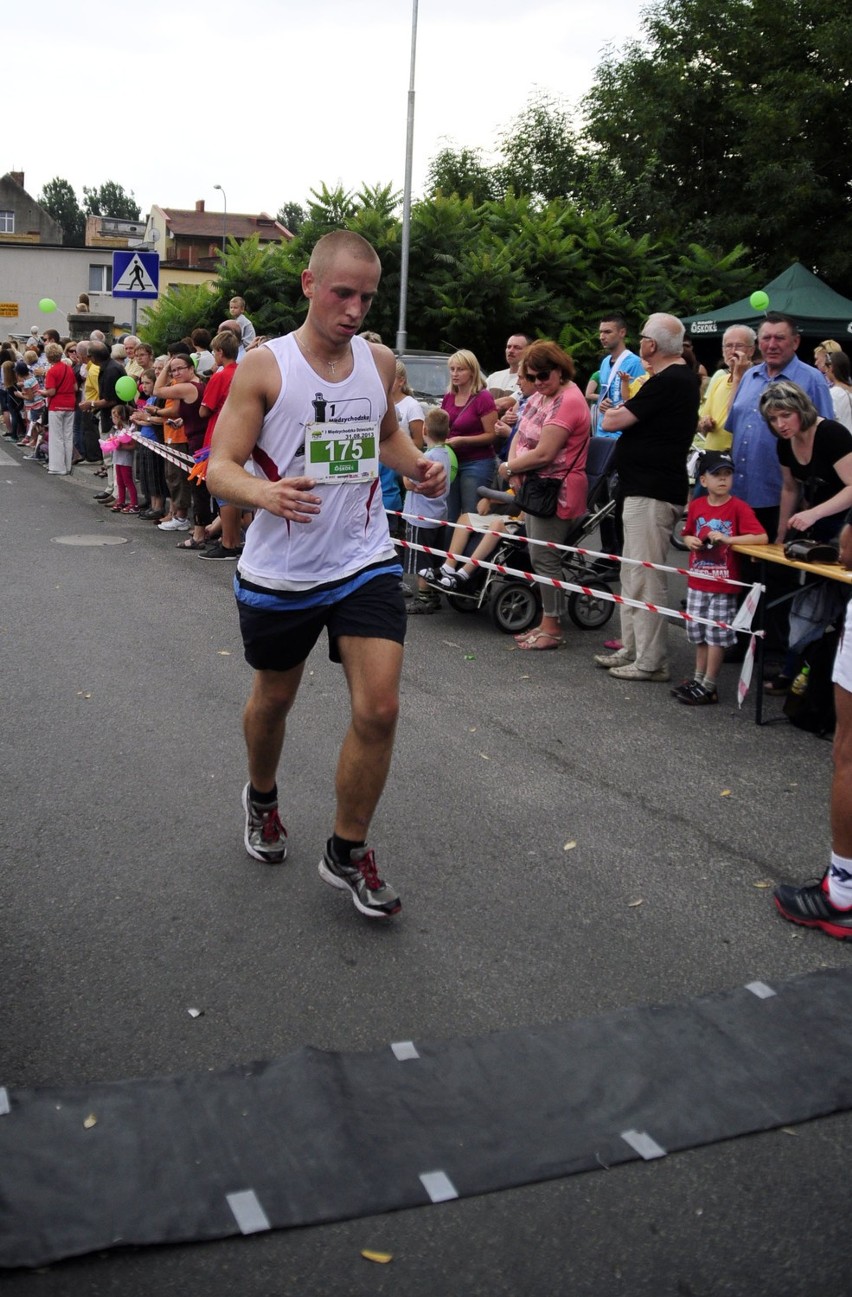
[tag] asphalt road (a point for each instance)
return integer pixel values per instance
(127, 898)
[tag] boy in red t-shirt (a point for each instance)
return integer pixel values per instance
(715, 521)
(225, 347)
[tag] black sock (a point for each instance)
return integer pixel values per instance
(341, 848)
(263, 799)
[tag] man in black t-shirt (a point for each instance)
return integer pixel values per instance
(657, 426)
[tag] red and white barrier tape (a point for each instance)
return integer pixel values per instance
(570, 549)
(531, 578)
(167, 452)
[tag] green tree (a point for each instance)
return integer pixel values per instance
(292, 216)
(59, 199)
(461, 171)
(177, 312)
(110, 199)
(539, 151)
(730, 123)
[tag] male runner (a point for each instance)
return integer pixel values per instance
(311, 411)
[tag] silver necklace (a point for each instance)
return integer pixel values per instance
(332, 364)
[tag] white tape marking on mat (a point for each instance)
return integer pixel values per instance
(646, 1147)
(403, 1050)
(439, 1186)
(760, 989)
(4, 1101)
(248, 1213)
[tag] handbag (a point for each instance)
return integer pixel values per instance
(805, 550)
(539, 495)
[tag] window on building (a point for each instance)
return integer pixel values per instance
(7, 222)
(100, 279)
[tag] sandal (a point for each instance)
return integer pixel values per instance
(535, 641)
(189, 543)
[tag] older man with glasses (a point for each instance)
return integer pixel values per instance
(657, 426)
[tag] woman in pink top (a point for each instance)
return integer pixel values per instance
(553, 441)
(473, 422)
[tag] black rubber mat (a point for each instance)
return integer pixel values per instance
(322, 1136)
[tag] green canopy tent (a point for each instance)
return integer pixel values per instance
(819, 311)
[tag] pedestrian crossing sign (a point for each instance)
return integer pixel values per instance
(135, 274)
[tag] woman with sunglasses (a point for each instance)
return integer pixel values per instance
(553, 441)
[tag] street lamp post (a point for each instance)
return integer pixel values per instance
(401, 334)
(224, 216)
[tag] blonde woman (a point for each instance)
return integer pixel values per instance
(822, 353)
(840, 380)
(473, 422)
(408, 411)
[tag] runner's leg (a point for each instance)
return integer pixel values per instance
(373, 668)
(264, 722)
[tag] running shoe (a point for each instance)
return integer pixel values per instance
(812, 907)
(370, 894)
(265, 836)
(175, 524)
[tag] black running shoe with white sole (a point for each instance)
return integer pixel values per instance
(812, 907)
(370, 893)
(265, 836)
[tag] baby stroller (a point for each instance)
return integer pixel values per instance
(513, 603)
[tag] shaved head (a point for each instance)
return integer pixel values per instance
(330, 246)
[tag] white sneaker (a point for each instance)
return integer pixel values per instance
(175, 524)
(610, 660)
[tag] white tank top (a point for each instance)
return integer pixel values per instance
(351, 530)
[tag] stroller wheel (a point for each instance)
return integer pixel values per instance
(513, 607)
(677, 534)
(589, 612)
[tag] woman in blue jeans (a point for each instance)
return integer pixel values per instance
(473, 420)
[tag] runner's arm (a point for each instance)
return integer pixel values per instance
(253, 392)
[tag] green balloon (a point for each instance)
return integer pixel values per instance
(47, 305)
(759, 300)
(126, 389)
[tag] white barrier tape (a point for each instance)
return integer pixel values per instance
(248, 1213)
(403, 1050)
(646, 1147)
(439, 1186)
(532, 578)
(173, 456)
(747, 671)
(760, 989)
(570, 549)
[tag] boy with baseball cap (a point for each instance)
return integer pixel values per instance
(714, 523)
